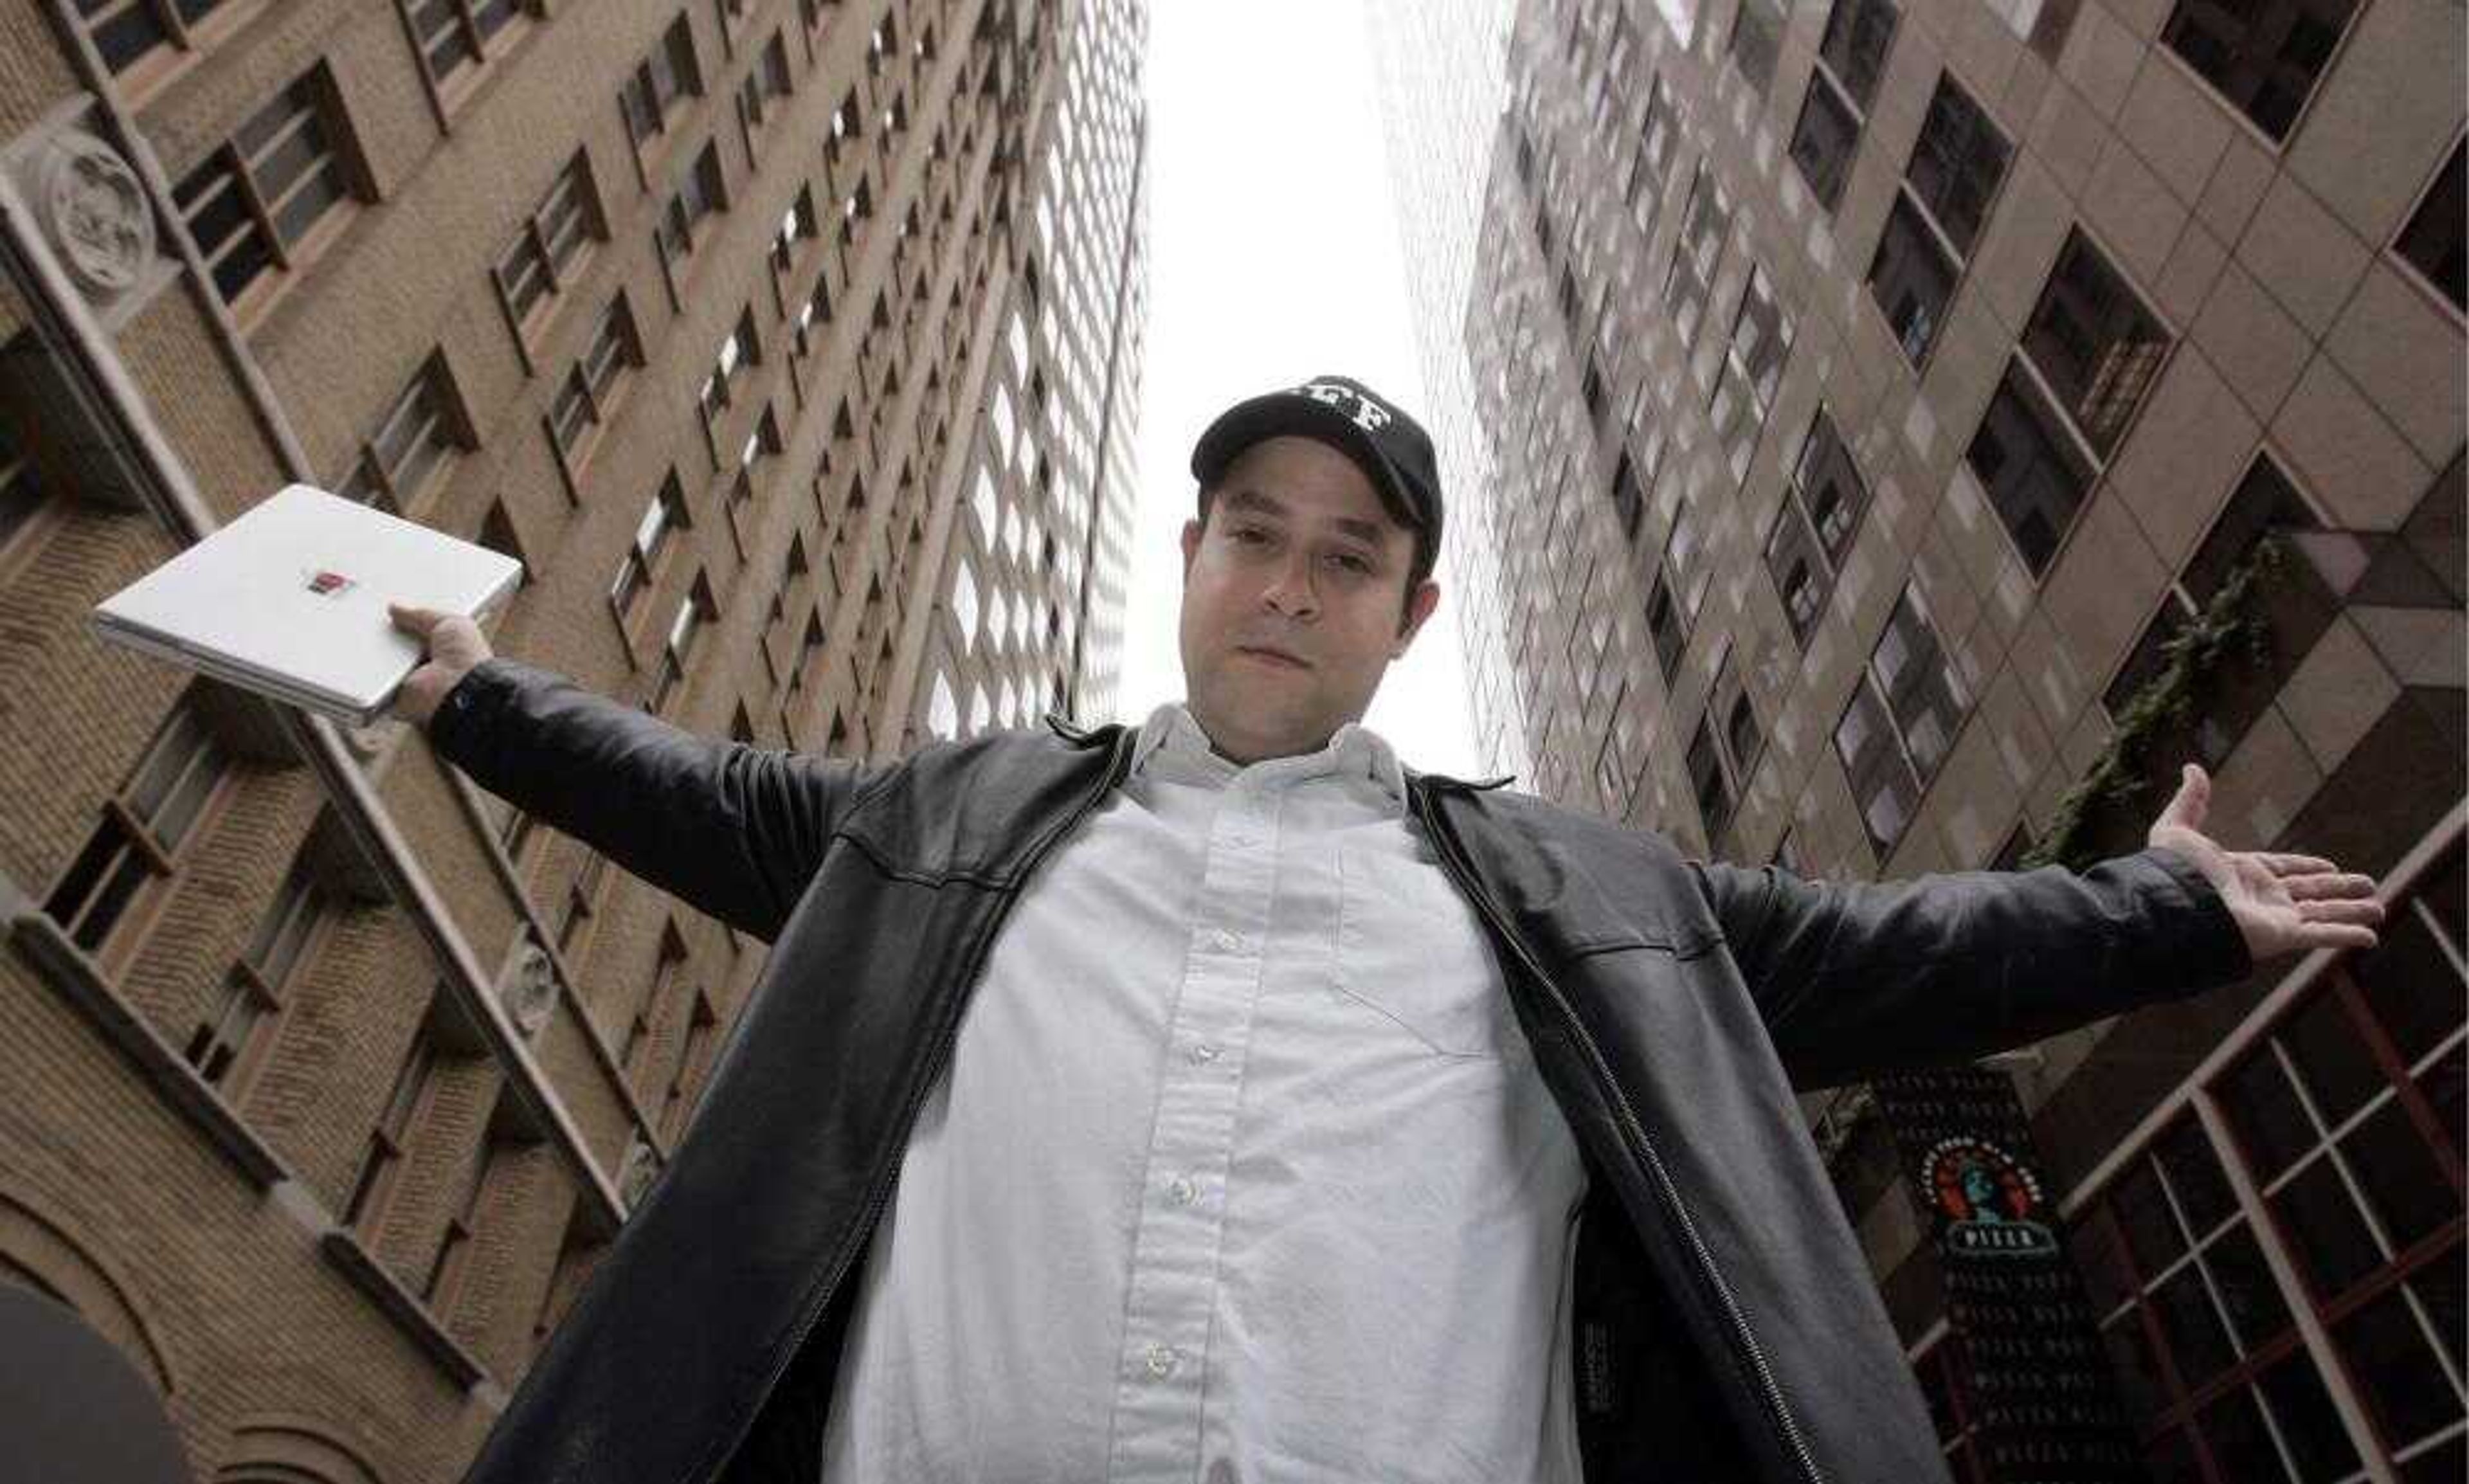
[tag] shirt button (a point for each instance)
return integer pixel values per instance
(1161, 1360)
(1226, 940)
(1203, 1053)
(1184, 1190)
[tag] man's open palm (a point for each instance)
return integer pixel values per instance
(2282, 903)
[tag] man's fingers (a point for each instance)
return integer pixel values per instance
(2335, 935)
(2281, 865)
(2368, 911)
(2323, 886)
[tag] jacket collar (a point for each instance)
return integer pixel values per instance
(1411, 779)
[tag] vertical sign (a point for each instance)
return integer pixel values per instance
(2040, 1380)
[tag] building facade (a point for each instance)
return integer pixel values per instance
(1915, 426)
(792, 345)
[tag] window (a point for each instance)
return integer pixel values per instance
(2094, 343)
(381, 1160)
(419, 436)
(235, 1022)
(542, 258)
(677, 652)
(2340, 1121)
(1900, 724)
(1664, 624)
(141, 831)
(2031, 469)
(809, 646)
(452, 1264)
(1752, 370)
(23, 495)
(1912, 278)
(2263, 56)
(661, 83)
(1956, 165)
(700, 1026)
(1757, 35)
(738, 352)
(255, 203)
(699, 192)
(797, 225)
(1815, 526)
(1859, 34)
(1654, 151)
(943, 711)
(1696, 253)
(587, 395)
(767, 83)
(582, 900)
(1628, 502)
(1707, 783)
(642, 564)
(2431, 243)
(128, 32)
(454, 37)
(1824, 141)
(2297, 603)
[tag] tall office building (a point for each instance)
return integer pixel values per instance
(1440, 68)
(794, 345)
(1915, 426)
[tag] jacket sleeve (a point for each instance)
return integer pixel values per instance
(1858, 980)
(732, 830)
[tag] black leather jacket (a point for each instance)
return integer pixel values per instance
(1726, 1324)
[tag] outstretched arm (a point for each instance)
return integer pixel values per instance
(1858, 980)
(732, 830)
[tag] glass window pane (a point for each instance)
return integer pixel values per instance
(1824, 142)
(2330, 1238)
(2405, 1386)
(2241, 1448)
(2409, 983)
(2194, 1170)
(2263, 1111)
(2095, 342)
(2446, 1463)
(2196, 1341)
(1912, 280)
(2319, 1444)
(2245, 1290)
(2143, 1214)
(2400, 1175)
(2331, 1060)
(2137, 1370)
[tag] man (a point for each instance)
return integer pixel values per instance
(1222, 1101)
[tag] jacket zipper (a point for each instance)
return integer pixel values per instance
(881, 1191)
(1784, 1427)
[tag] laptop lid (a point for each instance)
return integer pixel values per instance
(290, 599)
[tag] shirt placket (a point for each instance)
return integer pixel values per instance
(1164, 1362)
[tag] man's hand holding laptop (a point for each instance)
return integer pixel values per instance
(455, 645)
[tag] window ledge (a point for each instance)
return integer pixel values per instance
(67, 967)
(344, 1251)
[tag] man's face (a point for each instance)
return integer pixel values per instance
(1294, 600)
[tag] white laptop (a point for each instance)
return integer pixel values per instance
(290, 601)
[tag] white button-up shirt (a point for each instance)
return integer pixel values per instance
(1241, 1170)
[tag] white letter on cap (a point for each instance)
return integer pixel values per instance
(1368, 414)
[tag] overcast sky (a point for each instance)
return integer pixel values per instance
(1273, 259)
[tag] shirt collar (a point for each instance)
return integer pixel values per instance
(1353, 750)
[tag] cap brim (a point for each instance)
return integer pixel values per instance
(1290, 414)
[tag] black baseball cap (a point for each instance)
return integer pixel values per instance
(1390, 449)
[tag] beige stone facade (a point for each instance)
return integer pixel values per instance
(1890, 411)
(794, 346)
